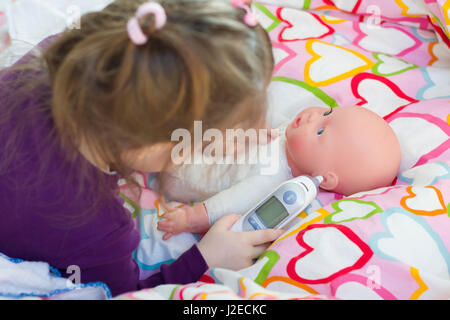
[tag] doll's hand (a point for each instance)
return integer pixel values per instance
(187, 219)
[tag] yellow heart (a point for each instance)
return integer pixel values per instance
(288, 281)
(364, 63)
(446, 9)
(405, 10)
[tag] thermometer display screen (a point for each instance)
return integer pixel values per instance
(272, 212)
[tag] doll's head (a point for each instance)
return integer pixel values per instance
(352, 147)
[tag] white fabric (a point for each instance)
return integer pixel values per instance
(20, 279)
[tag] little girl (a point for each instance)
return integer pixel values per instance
(102, 101)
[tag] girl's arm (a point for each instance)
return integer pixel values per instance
(220, 247)
(122, 275)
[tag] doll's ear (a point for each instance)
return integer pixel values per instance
(330, 181)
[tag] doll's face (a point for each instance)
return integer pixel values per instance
(310, 138)
(352, 147)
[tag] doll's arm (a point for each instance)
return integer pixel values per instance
(241, 197)
(199, 217)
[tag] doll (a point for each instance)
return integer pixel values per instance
(351, 147)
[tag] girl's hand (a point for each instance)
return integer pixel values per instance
(187, 219)
(227, 249)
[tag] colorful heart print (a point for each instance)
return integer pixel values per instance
(301, 25)
(202, 291)
(351, 209)
(357, 287)
(285, 284)
(139, 177)
(438, 83)
(268, 260)
(330, 251)
(422, 136)
(409, 239)
(429, 287)
(412, 8)
(446, 12)
(329, 19)
(331, 63)
(346, 5)
(378, 191)
(379, 94)
(390, 40)
(422, 285)
(241, 286)
(440, 55)
(340, 40)
(290, 96)
(130, 205)
(427, 201)
(310, 219)
(426, 174)
(282, 54)
(389, 66)
(424, 35)
(266, 18)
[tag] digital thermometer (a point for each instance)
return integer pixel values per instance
(281, 206)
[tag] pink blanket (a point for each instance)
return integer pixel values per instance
(392, 243)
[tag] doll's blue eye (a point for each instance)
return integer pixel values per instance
(320, 131)
(328, 112)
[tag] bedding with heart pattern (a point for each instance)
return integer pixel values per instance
(390, 243)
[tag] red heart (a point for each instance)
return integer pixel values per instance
(289, 25)
(395, 89)
(355, 8)
(365, 249)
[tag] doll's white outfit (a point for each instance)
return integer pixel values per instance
(230, 188)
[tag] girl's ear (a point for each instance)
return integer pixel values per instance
(330, 181)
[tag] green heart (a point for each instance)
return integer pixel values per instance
(315, 91)
(273, 258)
(270, 15)
(375, 68)
(329, 219)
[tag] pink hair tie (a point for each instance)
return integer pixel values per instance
(250, 18)
(135, 33)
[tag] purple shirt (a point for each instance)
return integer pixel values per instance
(31, 194)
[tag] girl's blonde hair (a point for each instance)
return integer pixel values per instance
(204, 64)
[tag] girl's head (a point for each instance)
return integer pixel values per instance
(118, 102)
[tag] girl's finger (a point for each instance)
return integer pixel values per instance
(259, 237)
(163, 224)
(226, 222)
